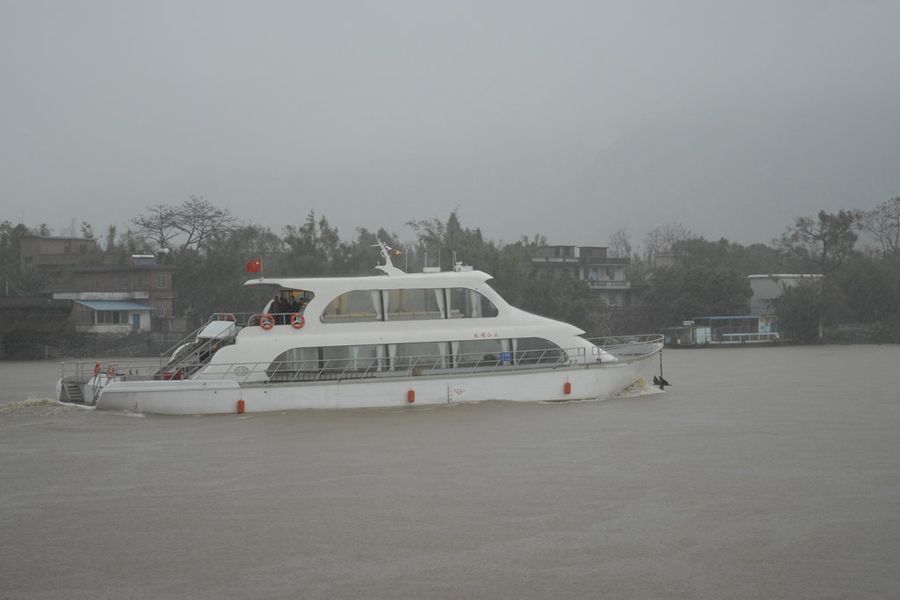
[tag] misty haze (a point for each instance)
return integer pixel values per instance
(569, 120)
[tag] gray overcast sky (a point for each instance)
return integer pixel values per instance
(571, 119)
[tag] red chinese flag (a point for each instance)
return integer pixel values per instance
(254, 266)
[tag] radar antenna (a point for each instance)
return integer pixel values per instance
(388, 267)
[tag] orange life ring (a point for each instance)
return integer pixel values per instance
(297, 321)
(96, 369)
(266, 321)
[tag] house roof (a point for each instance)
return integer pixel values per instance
(113, 305)
(786, 276)
(60, 237)
(121, 268)
(722, 318)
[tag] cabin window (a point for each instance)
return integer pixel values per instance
(294, 361)
(478, 353)
(340, 362)
(327, 361)
(419, 355)
(536, 351)
(353, 307)
(352, 358)
(466, 303)
(408, 304)
(404, 305)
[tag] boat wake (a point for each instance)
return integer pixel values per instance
(639, 388)
(34, 407)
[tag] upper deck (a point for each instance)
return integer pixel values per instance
(337, 285)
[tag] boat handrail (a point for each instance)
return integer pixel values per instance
(614, 341)
(250, 319)
(240, 319)
(189, 338)
(625, 347)
(339, 369)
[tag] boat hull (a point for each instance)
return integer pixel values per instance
(223, 396)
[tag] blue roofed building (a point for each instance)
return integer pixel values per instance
(125, 298)
(111, 316)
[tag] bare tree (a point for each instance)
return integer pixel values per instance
(620, 244)
(662, 238)
(199, 220)
(157, 226)
(884, 224)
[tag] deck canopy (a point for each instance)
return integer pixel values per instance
(375, 282)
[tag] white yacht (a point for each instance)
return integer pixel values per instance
(388, 340)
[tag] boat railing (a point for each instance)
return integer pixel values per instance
(349, 368)
(339, 369)
(627, 346)
(240, 319)
(188, 339)
(98, 374)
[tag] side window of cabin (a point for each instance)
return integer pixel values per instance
(354, 307)
(406, 304)
(310, 363)
(419, 355)
(294, 361)
(466, 303)
(352, 358)
(536, 351)
(478, 353)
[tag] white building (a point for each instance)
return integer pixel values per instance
(605, 275)
(766, 288)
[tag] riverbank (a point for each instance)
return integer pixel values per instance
(881, 332)
(886, 332)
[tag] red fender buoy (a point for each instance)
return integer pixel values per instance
(567, 388)
(240, 406)
(96, 369)
(411, 396)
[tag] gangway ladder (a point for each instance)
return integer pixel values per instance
(194, 360)
(199, 355)
(74, 392)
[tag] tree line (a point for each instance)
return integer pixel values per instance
(860, 284)
(675, 274)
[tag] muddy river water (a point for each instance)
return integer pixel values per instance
(763, 473)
